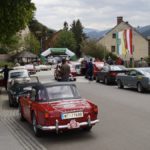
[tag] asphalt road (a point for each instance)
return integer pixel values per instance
(124, 121)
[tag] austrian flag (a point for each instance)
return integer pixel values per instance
(124, 42)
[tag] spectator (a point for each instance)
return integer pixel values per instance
(119, 61)
(142, 63)
(90, 70)
(65, 70)
(5, 71)
(109, 61)
(83, 67)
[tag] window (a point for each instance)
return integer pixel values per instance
(114, 35)
(113, 49)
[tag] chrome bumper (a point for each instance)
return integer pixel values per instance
(57, 126)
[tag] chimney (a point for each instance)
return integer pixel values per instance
(119, 19)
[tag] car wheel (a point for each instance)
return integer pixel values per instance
(106, 81)
(87, 129)
(97, 80)
(21, 113)
(119, 83)
(10, 101)
(36, 131)
(140, 88)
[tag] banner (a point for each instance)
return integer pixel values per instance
(124, 42)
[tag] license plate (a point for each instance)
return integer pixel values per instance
(72, 115)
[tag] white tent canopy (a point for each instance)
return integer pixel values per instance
(54, 51)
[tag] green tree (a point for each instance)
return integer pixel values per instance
(77, 30)
(66, 40)
(91, 48)
(14, 15)
(39, 30)
(32, 44)
(11, 44)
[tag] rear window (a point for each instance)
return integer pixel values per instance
(117, 68)
(19, 74)
(62, 92)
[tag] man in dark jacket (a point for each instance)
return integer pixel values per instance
(65, 70)
(90, 70)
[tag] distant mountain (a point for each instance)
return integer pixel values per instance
(145, 31)
(97, 34)
(94, 34)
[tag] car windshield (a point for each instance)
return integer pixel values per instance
(146, 71)
(19, 74)
(62, 92)
(117, 68)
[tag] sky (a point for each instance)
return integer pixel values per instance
(95, 14)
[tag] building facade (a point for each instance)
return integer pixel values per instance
(140, 44)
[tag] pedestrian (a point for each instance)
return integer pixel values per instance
(109, 61)
(65, 70)
(90, 70)
(142, 63)
(5, 71)
(119, 61)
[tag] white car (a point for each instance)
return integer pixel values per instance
(30, 68)
(19, 76)
(44, 67)
(37, 68)
(19, 67)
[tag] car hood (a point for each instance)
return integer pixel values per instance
(67, 105)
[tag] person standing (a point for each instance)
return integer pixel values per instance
(90, 70)
(142, 63)
(5, 71)
(65, 70)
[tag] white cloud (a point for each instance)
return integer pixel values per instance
(98, 14)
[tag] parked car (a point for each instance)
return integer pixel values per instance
(77, 67)
(109, 72)
(19, 76)
(37, 68)
(97, 67)
(18, 89)
(19, 67)
(31, 68)
(43, 67)
(57, 107)
(57, 74)
(138, 78)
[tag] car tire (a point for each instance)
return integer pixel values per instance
(87, 129)
(10, 101)
(140, 88)
(36, 131)
(106, 81)
(97, 80)
(21, 113)
(120, 85)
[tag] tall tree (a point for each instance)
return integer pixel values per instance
(65, 26)
(66, 40)
(14, 16)
(77, 29)
(32, 44)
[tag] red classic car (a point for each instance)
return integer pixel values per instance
(56, 107)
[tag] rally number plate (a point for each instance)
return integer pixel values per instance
(71, 115)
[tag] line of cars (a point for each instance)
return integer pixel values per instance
(33, 68)
(138, 78)
(50, 107)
